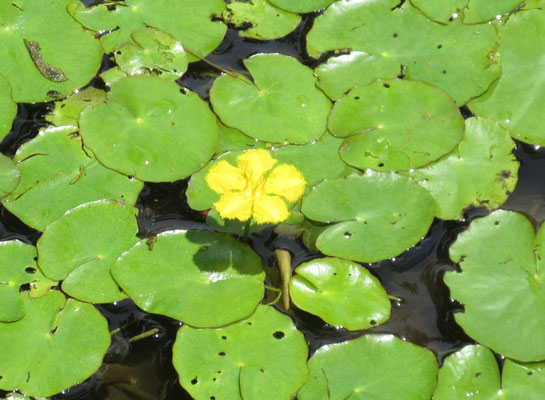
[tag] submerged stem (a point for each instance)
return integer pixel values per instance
(283, 258)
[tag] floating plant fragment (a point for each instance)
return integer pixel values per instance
(341, 73)
(393, 125)
(204, 279)
(18, 267)
(518, 97)
(8, 108)
(9, 176)
(258, 19)
(281, 105)
(67, 111)
(262, 357)
(374, 216)
(148, 129)
(45, 53)
(500, 284)
(474, 11)
(80, 247)
(473, 372)
(460, 59)
(57, 175)
(154, 52)
(317, 161)
(481, 171)
(189, 22)
(340, 292)
(371, 367)
(301, 6)
(57, 344)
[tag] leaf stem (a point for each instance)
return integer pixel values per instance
(283, 258)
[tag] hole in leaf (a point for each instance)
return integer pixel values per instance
(278, 334)
(25, 287)
(356, 97)
(224, 337)
(386, 85)
(497, 223)
(35, 258)
(444, 71)
(439, 46)
(478, 374)
(373, 322)
(262, 370)
(212, 398)
(221, 353)
(347, 235)
(249, 323)
(381, 164)
(30, 270)
(395, 35)
(194, 381)
(530, 373)
(52, 331)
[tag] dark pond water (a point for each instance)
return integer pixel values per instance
(142, 370)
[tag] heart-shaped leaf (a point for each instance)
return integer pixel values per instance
(204, 279)
(261, 357)
(500, 284)
(340, 292)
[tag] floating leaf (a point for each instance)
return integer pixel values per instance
(301, 6)
(473, 10)
(202, 278)
(80, 247)
(58, 344)
(17, 267)
(261, 357)
(189, 21)
(340, 74)
(9, 176)
(460, 59)
(481, 171)
(317, 161)
(45, 53)
(379, 215)
(282, 105)
(8, 108)
(260, 20)
(371, 367)
(519, 94)
(152, 51)
(396, 125)
(67, 111)
(232, 139)
(57, 175)
(340, 292)
(500, 284)
(147, 129)
(473, 372)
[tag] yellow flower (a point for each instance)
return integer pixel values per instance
(254, 188)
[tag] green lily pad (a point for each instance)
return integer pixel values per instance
(45, 53)
(261, 357)
(147, 129)
(63, 340)
(232, 139)
(283, 104)
(17, 267)
(260, 20)
(376, 216)
(9, 176)
(371, 367)
(340, 292)
(500, 284)
(519, 95)
(57, 175)
(67, 111)
(482, 171)
(472, 372)
(474, 11)
(460, 59)
(341, 73)
(301, 6)
(152, 51)
(189, 21)
(8, 108)
(80, 247)
(204, 279)
(396, 125)
(112, 75)
(317, 161)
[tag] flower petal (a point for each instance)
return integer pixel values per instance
(287, 181)
(255, 163)
(224, 177)
(270, 209)
(234, 205)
